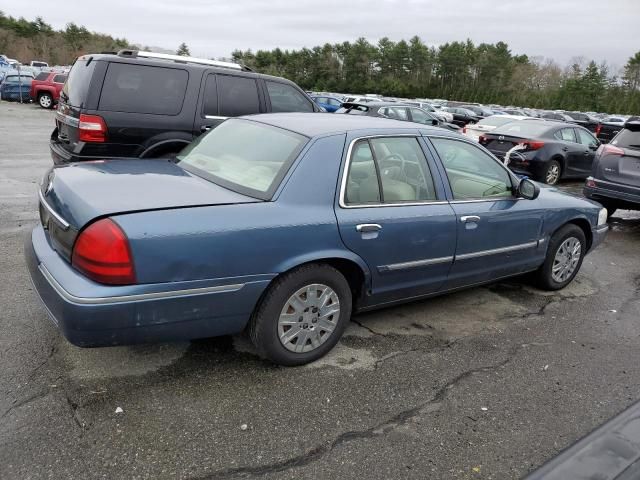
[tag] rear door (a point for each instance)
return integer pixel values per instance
(571, 149)
(393, 213)
(498, 233)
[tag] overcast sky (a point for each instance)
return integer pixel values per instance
(560, 29)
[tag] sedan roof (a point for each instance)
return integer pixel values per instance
(317, 124)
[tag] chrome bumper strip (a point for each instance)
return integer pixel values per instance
(65, 225)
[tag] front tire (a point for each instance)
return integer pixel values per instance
(565, 254)
(302, 316)
(45, 100)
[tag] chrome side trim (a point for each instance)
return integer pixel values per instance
(343, 182)
(52, 212)
(415, 264)
(215, 117)
(495, 251)
(134, 298)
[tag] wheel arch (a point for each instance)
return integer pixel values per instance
(581, 223)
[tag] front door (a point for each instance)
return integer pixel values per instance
(588, 144)
(498, 233)
(393, 214)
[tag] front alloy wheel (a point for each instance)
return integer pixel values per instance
(567, 248)
(567, 258)
(45, 100)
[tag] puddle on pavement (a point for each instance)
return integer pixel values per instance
(109, 362)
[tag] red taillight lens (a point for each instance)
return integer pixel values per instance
(464, 130)
(92, 129)
(598, 128)
(591, 183)
(482, 139)
(609, 149)
(533, 144)
(102, 253)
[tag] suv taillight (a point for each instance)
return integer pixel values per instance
(102, 253)
(92, 129)
(609, 149)
(598, 129)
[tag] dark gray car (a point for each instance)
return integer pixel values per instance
(615, 175)
(396, 111)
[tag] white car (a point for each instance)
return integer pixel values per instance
(474, 130)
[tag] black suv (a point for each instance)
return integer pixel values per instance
(146, 105)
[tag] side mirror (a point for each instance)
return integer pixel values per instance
(528, 189)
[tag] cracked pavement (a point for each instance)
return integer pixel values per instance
(487, 383)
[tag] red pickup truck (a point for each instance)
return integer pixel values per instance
(45, 88)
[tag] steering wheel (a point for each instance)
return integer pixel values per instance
(391, 159)
(450, 154)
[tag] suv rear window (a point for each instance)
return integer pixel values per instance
(627, 139)
(60, 79)
(143, 89)
(75, 89)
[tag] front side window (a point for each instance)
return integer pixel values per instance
(472, 173)
(388, 170)
(42, 76)
(586, 138)
(285, 98)
(237, 96)
(141, 89)
(244, 156)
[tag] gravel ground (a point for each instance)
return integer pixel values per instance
(487, 383)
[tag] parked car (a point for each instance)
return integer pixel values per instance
(38, 64)
(396, 111)
(330, 104)
(266, 224)
(441, 114)
(16, 87)
(615, 175)
(473, 131)
(584, 120)
(462, 116)
(479, 110)
(145, 105)
(557, 116)
(552, 150)
(46, 87)
(609, 128)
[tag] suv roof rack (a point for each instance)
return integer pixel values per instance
(181, 59)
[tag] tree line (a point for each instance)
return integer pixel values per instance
(485, 73)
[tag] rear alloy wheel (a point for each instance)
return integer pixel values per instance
(552, 173)
(45, 100)
(302, 315)
(566, 251)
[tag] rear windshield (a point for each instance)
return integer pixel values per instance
(521, 128)
(627, 139)
(76, 88)
(244, 156)
(495, 121)
(143, 89)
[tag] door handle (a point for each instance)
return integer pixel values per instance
(368, 227)
(470, 218)
(205, 128)
(565, 149)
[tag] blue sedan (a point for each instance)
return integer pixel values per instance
(330, 104)
(285, 225)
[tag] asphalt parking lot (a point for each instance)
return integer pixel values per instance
(488, 383)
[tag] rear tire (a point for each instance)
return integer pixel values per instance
(567, 248)
(302, 315)
(45, 100)
(552, 173)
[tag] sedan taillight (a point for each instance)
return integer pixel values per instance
(102, 253)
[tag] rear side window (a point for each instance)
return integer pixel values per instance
(42, 76)
(566, 134)
(237, 96)
(76, 87)
(60, 79)
(142, 89)
(285, 98)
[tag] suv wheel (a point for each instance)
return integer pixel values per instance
(302, 316)
(45, 100)
(566, 251)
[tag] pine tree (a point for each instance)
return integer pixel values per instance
(183, 50)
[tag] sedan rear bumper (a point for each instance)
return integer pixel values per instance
(92, 315)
